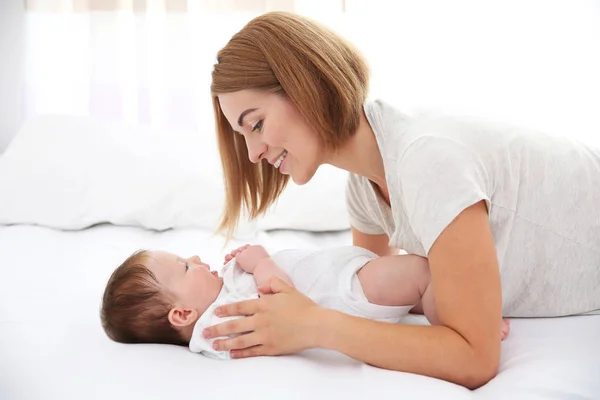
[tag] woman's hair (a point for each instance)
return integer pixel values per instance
(318, 71)
(135, 308)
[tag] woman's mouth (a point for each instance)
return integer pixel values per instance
(277, 163)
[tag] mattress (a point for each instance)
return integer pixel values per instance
(52, 345)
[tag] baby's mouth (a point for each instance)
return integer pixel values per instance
(215, 273)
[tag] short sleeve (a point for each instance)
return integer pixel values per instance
(359, 208)
(440, 177)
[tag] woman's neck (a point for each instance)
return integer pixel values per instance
(361, 155)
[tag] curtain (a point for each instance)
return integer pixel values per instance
(140, 61)
(177, 6)
(533, 63)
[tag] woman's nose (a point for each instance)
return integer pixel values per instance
(256, 149)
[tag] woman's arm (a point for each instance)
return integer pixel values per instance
(378, 244)
(466, 283)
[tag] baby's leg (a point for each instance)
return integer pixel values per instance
(404, 280)
(399, 280)
(505, 328)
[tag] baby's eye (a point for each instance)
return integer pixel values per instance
(186, 266)
(258, 126)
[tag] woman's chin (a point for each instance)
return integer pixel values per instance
(299, 182)
(302, 178)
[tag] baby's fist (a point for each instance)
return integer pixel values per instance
(249, 257)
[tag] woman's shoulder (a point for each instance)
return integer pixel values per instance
(427, 129)
(395, 132)
(385, 118)
(388, 121)
(395, 129)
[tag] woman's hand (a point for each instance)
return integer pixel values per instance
(282, 323)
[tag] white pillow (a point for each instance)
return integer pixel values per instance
(318, 205)
(71, 172)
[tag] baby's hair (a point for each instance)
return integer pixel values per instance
(135, 308)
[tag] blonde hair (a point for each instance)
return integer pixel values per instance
(317, 70)
(135, 308)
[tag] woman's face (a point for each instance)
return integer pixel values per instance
(274, 130)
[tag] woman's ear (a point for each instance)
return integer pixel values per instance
(182, 317)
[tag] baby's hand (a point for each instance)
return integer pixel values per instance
(249, 257)
(234, 253)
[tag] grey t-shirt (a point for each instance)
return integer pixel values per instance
(542, 193)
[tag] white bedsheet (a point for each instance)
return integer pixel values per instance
(52, 345)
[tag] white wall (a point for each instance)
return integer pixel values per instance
(533, 63)
(11, 68)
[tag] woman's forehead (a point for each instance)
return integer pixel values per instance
(234, 104)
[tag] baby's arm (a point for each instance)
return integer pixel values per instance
(400, 280)
(266, 269)
(256, 261)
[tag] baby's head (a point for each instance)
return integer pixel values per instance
(157, 297)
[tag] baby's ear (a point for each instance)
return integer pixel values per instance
(182, 317)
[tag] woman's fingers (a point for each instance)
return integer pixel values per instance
(281, 323)
(244, 308)
(233, 327)
(275, 285)
(253, 351)
(265, 289)
(239, 342)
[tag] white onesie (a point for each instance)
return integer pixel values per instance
(328, 277)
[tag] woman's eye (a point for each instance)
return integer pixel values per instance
(258, 126)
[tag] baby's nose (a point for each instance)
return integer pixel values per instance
(196, 260)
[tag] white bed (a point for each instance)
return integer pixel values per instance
(61, 175)
(53, 347)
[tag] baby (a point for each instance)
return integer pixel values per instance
(158, 297)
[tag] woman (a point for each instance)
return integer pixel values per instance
(509, 220)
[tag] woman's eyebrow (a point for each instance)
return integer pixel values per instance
(240, 120)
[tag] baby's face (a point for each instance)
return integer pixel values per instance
(189, 279)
